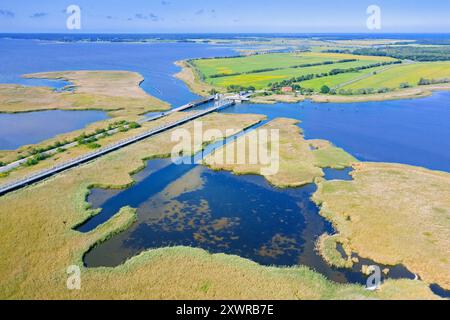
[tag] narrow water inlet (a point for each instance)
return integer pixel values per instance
(441, 292)
(192, 206)
(338, 174)
(161, 180)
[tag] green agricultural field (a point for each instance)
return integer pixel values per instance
(410, 73)
(339, 79)
(285, 62)
(263, 79)
(210, 67)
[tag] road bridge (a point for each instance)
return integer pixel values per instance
(38, 176)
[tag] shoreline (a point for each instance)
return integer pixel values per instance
(119, 93)
(150, 274)
(354, 223)
(190, 77)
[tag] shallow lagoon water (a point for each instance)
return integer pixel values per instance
(193, 206)
(155, 61)
(190, 205)
(338, 174)
(20, 129)
(414, 132)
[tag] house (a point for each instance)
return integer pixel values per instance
(286, 89)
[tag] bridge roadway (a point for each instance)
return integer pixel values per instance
(154, 117)
(182, 108)
(18, 184)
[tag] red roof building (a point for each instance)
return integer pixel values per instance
(286, 89)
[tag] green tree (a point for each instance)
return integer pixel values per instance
(93, 145)
(134, 125)
(325, 89)
(404, 85)
(424, 82)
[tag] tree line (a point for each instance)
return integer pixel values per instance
(305, 65)
(292, 82)
(437, 53)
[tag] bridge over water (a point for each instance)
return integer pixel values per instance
(38, 176)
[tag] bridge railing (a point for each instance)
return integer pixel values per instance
(92, 155)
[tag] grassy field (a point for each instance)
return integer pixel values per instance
(261, 80)
(38, 244)
(337, 80)
(286, 61)
(210, 67)
(384, 82)
(79, 150)
(386, 214)
(410, 74)
(298, 165)
(190, 77)
(117, 92)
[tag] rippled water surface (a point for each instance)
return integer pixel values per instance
(20, 129)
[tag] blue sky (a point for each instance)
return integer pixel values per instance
(228, 16)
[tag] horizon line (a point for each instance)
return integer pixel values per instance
(243, 33)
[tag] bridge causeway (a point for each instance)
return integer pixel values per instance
(18, 184)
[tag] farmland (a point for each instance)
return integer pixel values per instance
(410, 74)
(263, 79)
(261, 70)
(339, 79)
(343, 73)
(210, 67)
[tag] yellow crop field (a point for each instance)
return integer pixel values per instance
(410, 73)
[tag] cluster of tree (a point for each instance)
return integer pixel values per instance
(39, 150)
(133, 125)
(35, 159)
(221, 75)
(305, 65)
(425, 82)
(343, 51)
(122, 126)
(93, 145)
(325, 89)
(112, 126)
(416, 53)
(85, 140)
(238, 88)
(404, 85)
(291, 82)
(362, 91)
(38, 154)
